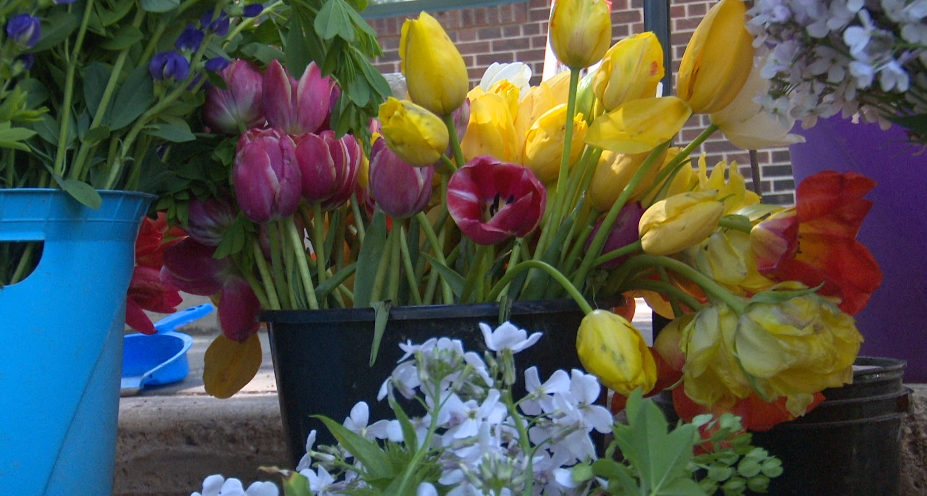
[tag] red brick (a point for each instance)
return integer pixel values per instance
(475, 73)
(491, 33)
(532, 29)
(539, 41)
(627, 16)
(466, 34)
(389, 56)
(696, 10)
(538, 15)
(620, 5)
(511, 31)
(488, 58)
(510, 44)
(473, 48)
(619, 31)
(539, 4)
(520, 12)
(685, 24)
(389, 42)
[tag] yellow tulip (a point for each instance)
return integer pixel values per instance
(680, 221)
(491, 130)
(560, 87)
(631, 69)
(612, 174)
(717, 60)
(746, 125)
(728, 258)
(797, 347)
(533, 104)
(611, 348)
(580, 31)
(544, 143)
(639, 125)
(416, 135)
(711, 376)
(435, 72)
(509, 92)
(733, 190)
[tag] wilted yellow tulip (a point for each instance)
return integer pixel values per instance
(533, 104)
(727, 258)
(746, 125)
(631, 69)
(435, 72)
(711, 375)
(544, 143)
(639, 125)
(717, 60)
(680, 221)
(612, 349)
(797, 347)
(416, 135)
(733, 191)
(612, 174)
(580, 31)
(491, 130)
(559, 87)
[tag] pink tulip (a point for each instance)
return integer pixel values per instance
(296, 106)
(238, 310)
(623, 232)
(239, 107)
(210, 219)
(328, 167)
(266, 177)
(491, 200)
(399, 189)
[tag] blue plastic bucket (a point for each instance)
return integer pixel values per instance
(62, 328)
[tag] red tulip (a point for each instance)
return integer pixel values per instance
(328, 167)
(755, 413)
(296, 106)
(823, 249)
(240, 106)
(147, 292)
(491, 200)
(399, 189)
(265, 176)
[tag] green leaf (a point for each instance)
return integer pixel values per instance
(333, 20)
(381, 309)
(56, 27)
(80, 191)
(614, 472)
(216, 80)
(297, 52)
(915, 123)
(95, 77)
(16, 133)
(265, 54)
(97, 134)
(159, 5)
(322, 290)
(367, 452)
(409, 437)
(134, 97)
(127, 36)
(455, 280)
(368, 260)
(176, 133)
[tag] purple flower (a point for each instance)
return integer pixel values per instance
(296, 106)
(190, 39)
(238, 106)
(169, 65)
(24, 30)
(216, 64)
(623, 232)
(265, 175)
(252, 10)
(398, 188)
(328, 166)
(27, 59)
(219, 25)
(64, 2)
(210, 219)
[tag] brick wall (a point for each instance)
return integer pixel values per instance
(518, 32)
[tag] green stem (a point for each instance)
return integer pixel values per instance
(438, 252)
(376, 294)
(560, 197)
(358, 220)
(737, 223)
(256, 286)
(708, 285)
(318, 241)
(551, 271)
(513, 261)
(475, 271)
(24, 261)
(599, 240)
(276, 262)
(668, 290)
(65, 109)
(264, 271)
(674, 301)
(454, 141)
(523, 439)
(301, 262)
(410, 270)
(394, 264)
(624, 250)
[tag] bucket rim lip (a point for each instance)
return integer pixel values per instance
(59, 192)
(883, 365)
(423, 312)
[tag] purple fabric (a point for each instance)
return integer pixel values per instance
(894, 324)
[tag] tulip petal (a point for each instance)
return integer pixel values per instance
(238, 310)
(229, 365)
(639, 125)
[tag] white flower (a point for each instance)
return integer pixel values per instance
(216, 485)
(507, 336)
(539, 395)
(321, 483)
(517, 73)
(404, 378)
(426, 489)
(466, 417)
(357, 422)
(894, 77)
(306, 460)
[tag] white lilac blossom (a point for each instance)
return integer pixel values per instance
(216, 485)
(474, 438)
(842, 56)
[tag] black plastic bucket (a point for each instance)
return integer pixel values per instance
(850, 445)
(321, 357)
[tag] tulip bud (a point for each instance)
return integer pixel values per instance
(238, 310)
(612, 173)
(622, 233)
(327, 166)
(435, 72)
(240, 106)
(190, 39)
(265, 175)
(398, 188)
(678, 222)
(349, 177)
(492, 201)
(24, 30)
(414, 134)
(169, 65)
(611, 348)
(210, 219)
(296, 106)
(632, 69)
(580, 31)
(545, 139)
(717, 60)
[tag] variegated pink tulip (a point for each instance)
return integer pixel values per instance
(296, 106)
(328, 166)
(399, 189)
(240, 106)
(265, 176)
